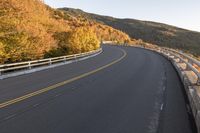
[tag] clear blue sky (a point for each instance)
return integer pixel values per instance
(181, 13)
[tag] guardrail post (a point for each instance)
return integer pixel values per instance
(168, 54)
(65, 59)
(75, 58)
(29, 65)
(190, 62)
(50, 62)
(178, 60)
(187, 68)
(181, 61)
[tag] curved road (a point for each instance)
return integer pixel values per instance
(122, 90)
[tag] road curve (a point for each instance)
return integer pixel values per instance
(122, 90)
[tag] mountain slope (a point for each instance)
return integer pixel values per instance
(30, 30)
(103, 31)
(151, 32)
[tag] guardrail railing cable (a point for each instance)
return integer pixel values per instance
(191, 63)
(188, 69)
(43, 62)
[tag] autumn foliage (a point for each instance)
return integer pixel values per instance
(76, 18)
(30, 30)
(82, 39)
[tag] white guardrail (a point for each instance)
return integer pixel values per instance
(9, 68)
(188, 69)
(191, 64)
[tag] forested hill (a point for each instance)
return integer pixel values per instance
(30, 30)
(151, 32)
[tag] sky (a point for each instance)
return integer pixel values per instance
(181, 13)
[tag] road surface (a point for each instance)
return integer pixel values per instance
(122, 90)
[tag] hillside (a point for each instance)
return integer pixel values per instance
(151, 32)
(103, 32)
(30, 30)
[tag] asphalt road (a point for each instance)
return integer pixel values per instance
(122, 90)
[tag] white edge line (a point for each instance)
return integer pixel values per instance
(161, 108)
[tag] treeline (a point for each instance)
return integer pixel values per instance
(30, 30)
(103, 32)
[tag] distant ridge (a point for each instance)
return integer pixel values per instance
(151, 32)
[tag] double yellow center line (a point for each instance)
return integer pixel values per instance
(19, 99)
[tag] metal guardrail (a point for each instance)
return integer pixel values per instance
(191, 63)
(188, 69)
(13, 67)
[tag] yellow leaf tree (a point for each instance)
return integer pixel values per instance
(82, 39)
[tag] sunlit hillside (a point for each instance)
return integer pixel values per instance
(104, 32)
(150, 32)
(29, 30)
(26, 30)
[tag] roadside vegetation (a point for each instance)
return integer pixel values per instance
(30, 30)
